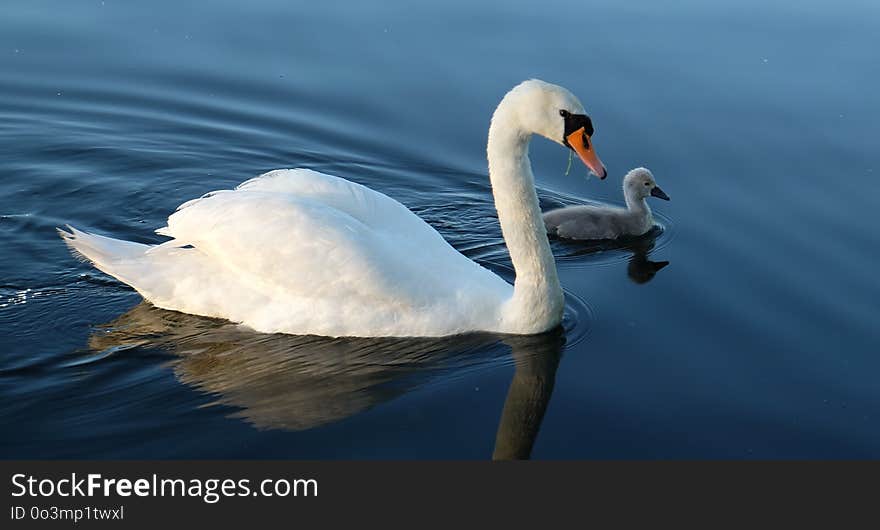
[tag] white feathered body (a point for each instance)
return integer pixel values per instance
(297, 251)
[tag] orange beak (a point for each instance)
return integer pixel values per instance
(579, 141)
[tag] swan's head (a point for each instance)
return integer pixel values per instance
(639, 184)
(555, 113)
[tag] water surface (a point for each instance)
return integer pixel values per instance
(758, 338)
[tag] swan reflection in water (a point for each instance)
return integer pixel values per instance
(296, 383)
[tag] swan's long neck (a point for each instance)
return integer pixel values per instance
(537, 302)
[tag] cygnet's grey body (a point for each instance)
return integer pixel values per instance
(609, 222)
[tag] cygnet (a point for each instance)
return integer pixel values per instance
(610, 222)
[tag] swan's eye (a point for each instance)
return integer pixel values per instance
(647, 183)
(563, 113)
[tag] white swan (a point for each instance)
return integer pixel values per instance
(296, 251)
(610, 222)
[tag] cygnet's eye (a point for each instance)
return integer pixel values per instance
(647, 183)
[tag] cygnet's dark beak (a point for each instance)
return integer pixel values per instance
(658, 264)
(660, 194)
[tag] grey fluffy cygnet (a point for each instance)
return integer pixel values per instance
(610, 222)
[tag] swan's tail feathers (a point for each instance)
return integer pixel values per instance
(105, 253)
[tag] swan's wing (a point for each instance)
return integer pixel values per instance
(321, 243)
(302, 222)
(360, 202)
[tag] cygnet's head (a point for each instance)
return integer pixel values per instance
(554, 113)
(639, 184)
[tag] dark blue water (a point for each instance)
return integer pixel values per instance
(757, 340)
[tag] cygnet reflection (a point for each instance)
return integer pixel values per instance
(640, 268)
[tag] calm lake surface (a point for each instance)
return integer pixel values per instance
(758, 339)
